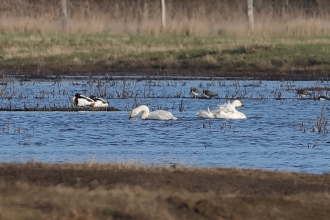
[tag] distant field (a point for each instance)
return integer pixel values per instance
(208, 38)
(222, 55)
(188, 17)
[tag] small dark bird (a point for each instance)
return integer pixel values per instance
(303, 93)
(195, 92)
(322, 97)
(209, 94)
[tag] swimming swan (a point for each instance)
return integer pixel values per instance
(155, 115)
(226, 111)
(205, 114)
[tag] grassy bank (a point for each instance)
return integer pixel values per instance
(201, 38)
(219, 55)
(116, 191)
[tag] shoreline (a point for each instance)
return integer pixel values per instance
(302, 75)
(106, 191)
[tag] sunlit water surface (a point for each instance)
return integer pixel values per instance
(277, 134)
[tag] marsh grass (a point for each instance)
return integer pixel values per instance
(133, 191)
(322, 121)
(319, 126)
(41, 54)
(200, 37)
(194, 17)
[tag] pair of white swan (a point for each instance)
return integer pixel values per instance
(226, 111)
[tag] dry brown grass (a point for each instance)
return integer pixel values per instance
(193, 17)
(128, 191)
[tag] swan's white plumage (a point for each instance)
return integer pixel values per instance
(226, 111)
(155, 115)
(205, 114)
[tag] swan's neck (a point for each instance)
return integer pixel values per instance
(145, 111)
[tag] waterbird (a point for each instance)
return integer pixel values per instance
(99, 102)
(81, 100)
(323, 97)
(303, 93)
(209, 94)
(205, 114)
(155, 115)
(195, 92)
(226, 111)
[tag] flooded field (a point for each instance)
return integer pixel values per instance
(284, 130)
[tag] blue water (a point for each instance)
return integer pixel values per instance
(277, 134)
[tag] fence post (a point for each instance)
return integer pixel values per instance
(250, 14)
(163, 13)
(64, 14)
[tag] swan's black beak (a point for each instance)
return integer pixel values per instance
(130, 116)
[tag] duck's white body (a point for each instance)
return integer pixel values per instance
(81, 100)
(226, 111)
(155, 115)
(99, 102)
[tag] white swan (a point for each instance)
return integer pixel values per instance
(205, 114)
(155, 115)
(226, 111)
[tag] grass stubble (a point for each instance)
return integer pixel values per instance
(133, 191)
(201, 38)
